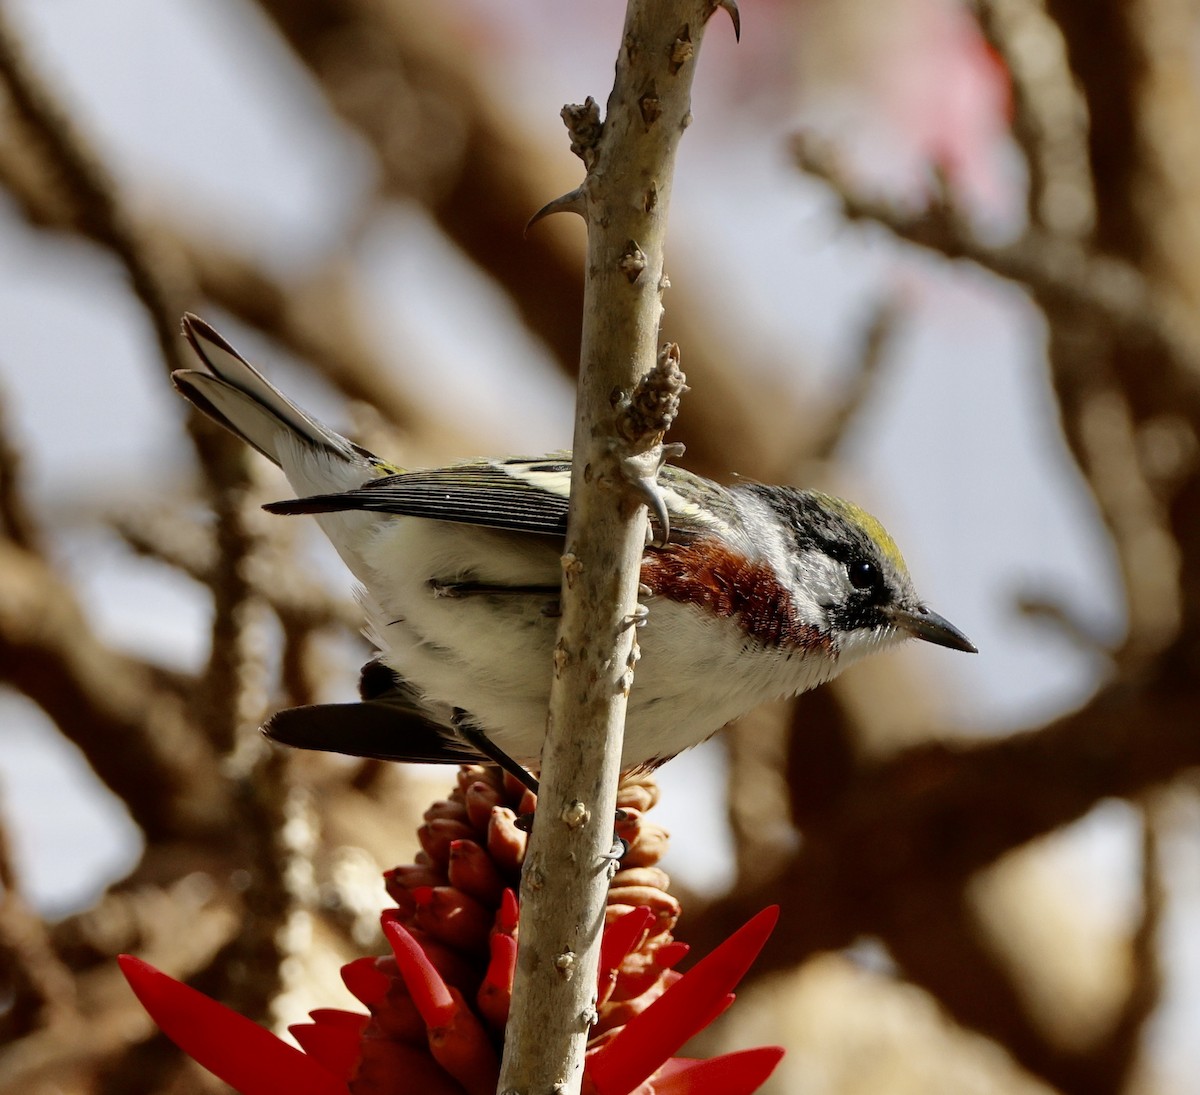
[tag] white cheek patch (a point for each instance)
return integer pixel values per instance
(819, 582)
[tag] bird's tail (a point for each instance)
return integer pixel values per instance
(234, 393)
(314, 458)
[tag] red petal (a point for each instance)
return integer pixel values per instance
(336, 1017)
(422, 895)
(336, 1047)
(671, 954)
(243, 1054)
(462, 1047)
(621, 936)
(731, 1074)
(457, 1038)
(508, 914)
(474, 872)
(453, 918)
(365, 980)
(389, 1068)
(648, 1039)
(424, 983)
(495, 994)
(502, 968)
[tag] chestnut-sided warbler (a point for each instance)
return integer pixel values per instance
(759, 592)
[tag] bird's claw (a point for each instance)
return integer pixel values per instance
(641, 474)
(617, 852)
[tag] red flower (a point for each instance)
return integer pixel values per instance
(243, 1054)
(423, 1035)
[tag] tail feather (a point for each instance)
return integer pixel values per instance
(371, 728)
(233, 392)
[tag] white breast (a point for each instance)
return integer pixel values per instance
(491, 655)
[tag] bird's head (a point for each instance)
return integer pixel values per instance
(846, 577)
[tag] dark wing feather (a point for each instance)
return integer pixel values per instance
(472, 494)
(519, 494)
(371, 728)
(389, 724)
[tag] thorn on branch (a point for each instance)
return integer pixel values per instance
(572, 202)
(734, 15)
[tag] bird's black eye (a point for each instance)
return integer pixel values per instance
(863, 574)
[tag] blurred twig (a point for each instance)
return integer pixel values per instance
(873, 347)
(81, 176)
(16, 523)
(1049, 114)
(138, 739)
(38, 988)
(1065, 619)
(887, 855)
(1058, 272)
(1124, 1043)
(172, 538)
(405, 79)
(314, 318)
(134, 733)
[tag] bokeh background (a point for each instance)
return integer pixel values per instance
(939, 257)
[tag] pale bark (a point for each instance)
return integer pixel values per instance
(624, 199)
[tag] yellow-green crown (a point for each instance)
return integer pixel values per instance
(872, 526)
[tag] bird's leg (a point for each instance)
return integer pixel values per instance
(477, 739)
(619, 847)
(646, 415)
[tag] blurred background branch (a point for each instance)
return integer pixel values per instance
(844, 321)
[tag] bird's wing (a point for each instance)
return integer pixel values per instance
(371, 728)
(519, 494)
(390, 723)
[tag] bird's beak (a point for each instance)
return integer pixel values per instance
(921, 623)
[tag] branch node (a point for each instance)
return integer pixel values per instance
(632, 262)
(572, 567)
(576, 814)
(655, 401)
(650, 105)
(585, 127)
(682, 50)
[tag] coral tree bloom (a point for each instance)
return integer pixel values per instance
(637, 1058)
(437, 1006)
